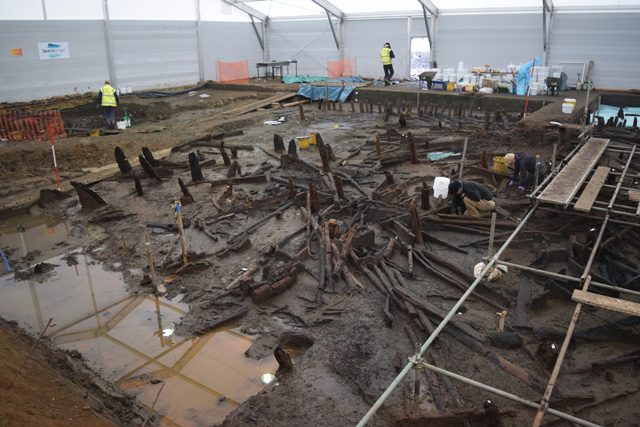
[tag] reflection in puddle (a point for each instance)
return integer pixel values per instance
(130, 341)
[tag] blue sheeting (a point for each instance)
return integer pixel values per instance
(335, 92)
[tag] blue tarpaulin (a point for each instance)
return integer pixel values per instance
(302, 79)
(335, 92)
(441, 155)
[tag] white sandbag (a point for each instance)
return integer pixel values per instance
(494, 273)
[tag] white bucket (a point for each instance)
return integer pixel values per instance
(441, 187)
(121, 125)
(129, 89)
(567, 108)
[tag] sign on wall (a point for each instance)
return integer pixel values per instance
(59, 50)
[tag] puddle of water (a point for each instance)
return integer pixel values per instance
(42, 236)
(129, 341)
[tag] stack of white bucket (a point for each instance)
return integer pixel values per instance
(538, 80)
(450, 75)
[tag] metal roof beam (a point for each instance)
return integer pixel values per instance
(429, 6)
(330, 8)
(248, 10)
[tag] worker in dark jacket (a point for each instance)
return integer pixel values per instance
(108, 98)
(525, 165)
(387, 63)
(473, 198)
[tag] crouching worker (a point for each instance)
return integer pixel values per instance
(474, 199)
(525, 165)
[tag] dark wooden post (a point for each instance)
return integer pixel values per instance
(194, 165)
(293, 152)
(123, 163)
(278, 143)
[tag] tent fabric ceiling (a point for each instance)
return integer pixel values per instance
(307, 8)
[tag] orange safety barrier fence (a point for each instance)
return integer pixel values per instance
(345, 68)
(31, 125)
(233, 72)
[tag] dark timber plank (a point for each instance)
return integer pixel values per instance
(568, 181)
(590, 193)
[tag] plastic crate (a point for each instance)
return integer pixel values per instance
(439, 85)
(451, 87)
(468, 88)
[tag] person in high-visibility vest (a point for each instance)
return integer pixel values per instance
(108, 98)
(387, 63)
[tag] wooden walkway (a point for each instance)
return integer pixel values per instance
(588, 196)
(569, 180)
(259, 104)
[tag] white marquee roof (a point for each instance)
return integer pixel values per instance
(224, 10)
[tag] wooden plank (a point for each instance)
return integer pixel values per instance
(590, 193)
(610, 303)
(261, 103)
(634, 195)
(569, 180)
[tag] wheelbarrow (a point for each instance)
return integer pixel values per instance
(427, 76)
(553, 85)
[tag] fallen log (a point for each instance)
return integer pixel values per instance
(237, 179)
(453, 418)
(244, 275)
(432, 310)
(225, 319)
(257, 225)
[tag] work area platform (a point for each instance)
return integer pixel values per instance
(567, 183)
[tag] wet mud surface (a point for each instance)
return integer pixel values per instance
(349, 332)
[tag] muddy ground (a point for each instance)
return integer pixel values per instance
(346, 350)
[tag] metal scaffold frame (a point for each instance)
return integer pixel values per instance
(416, 361)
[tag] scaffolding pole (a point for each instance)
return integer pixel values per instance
(586, 279)
(444, 321)
(506, 395)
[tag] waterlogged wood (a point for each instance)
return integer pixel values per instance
(225, 319)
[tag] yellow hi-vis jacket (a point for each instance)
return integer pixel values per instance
(385, 53)
(108, 96)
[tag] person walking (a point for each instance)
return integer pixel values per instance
(474, 199)
(387, 63)
(109, 100)
(525, 165)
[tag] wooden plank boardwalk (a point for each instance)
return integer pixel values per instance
(262, 103)
(568, 181)
(588, 196)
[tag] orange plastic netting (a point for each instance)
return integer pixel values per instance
(233, 72)
(345, 68)
(31, 125)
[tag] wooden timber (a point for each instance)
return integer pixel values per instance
(568, 181)
(259, 104)
(610, 303)
(590, 193)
